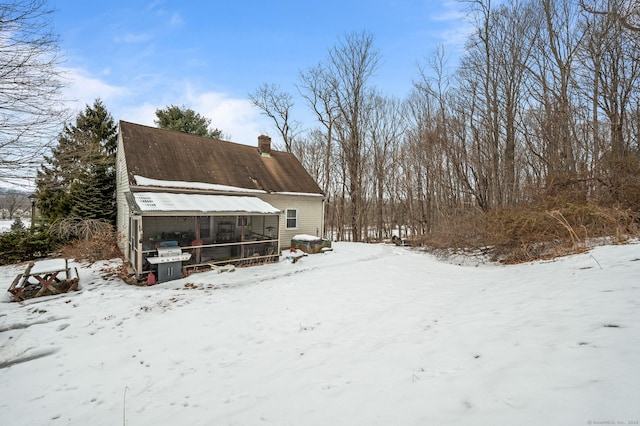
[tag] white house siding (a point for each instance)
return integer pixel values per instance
(310, 215)
(122, 186)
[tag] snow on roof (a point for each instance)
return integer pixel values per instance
(144, 181)
(167, 202)
(307, 194)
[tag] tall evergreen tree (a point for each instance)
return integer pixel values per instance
(186, 120)
(78, 179)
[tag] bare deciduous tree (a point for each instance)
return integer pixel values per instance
(310, 150)
(277, 105)
(31, 110)
(626, 12)
(479, 71)
(386, 134)
(544, 103)
(352, 62)
(318, 88)
(11, 201)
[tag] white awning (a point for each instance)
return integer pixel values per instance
(164, 202)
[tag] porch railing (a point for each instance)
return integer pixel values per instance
(239, 253)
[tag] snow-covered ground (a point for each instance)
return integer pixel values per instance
(365, 335)
(5, 224)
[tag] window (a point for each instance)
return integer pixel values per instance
(292, 218)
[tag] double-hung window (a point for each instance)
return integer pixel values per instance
(292, 218)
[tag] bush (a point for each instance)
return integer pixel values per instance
(20, 245)
(77, 228)
(87, 239)
(619, 182)
(554, 226)
(17, 224)
(100, 245)
(80, 239)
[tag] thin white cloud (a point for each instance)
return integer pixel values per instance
(157, 8)
(176, 20)
(457, 37)
(132, 38)
(140, 114)
(455, 26)
(239, 120)
(83, 89)
(451, 11)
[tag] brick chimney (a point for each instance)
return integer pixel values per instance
(264, 145)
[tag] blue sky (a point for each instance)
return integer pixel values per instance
(140, 55)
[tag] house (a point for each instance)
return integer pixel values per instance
(222, 202)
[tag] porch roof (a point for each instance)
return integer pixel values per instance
(165, 203)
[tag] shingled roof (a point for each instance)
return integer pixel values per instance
(175, 156)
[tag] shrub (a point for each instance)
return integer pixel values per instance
(87, 239)
(17, 224)
(80, 239)
(77, 228)
(100, 245)
(20, 245)
(554, 226)
(620, 182)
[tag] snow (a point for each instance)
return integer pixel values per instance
(292, 254)
(306, 237)
(48, 266)
(166, 202)
(366, 335)
(143, 181)
(305, 194)
(5, 224)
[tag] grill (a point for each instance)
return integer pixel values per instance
(169, 263)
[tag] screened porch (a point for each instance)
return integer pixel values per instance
(213, 239)
(217, 235)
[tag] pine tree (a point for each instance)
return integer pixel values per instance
(17, 225)
(186, 120)
(78, 180)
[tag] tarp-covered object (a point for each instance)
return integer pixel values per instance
(310, 244)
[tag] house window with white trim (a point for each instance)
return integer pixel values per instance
(292, 218)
